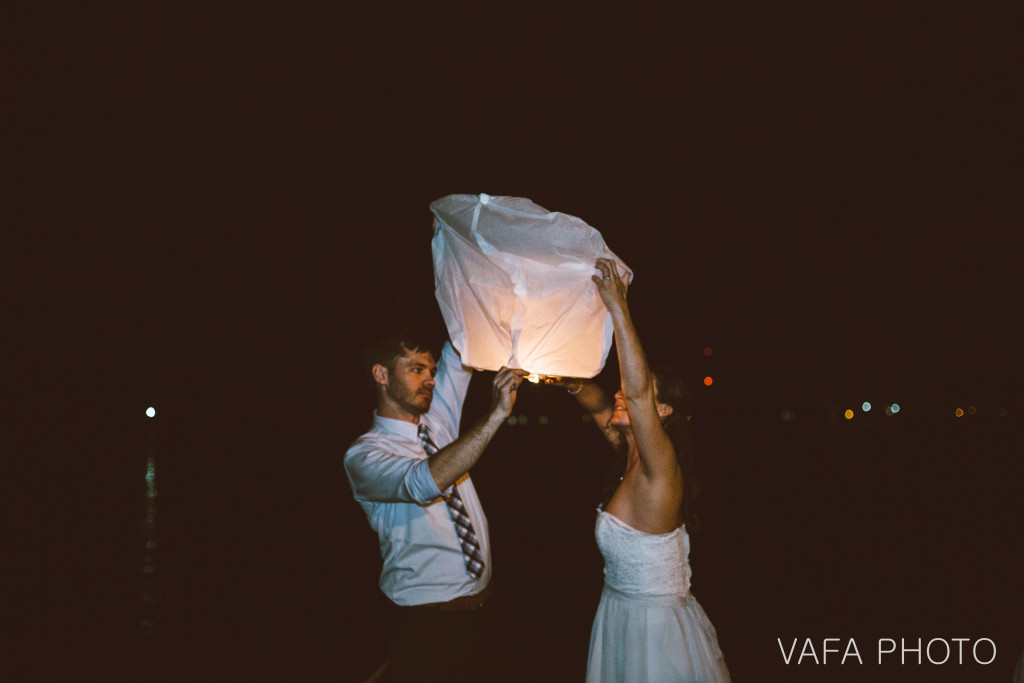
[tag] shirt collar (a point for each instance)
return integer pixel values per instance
(406, 430)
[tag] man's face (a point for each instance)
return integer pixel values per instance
(411, 384)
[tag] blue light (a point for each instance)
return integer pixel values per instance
(895, 407)
(865, 406)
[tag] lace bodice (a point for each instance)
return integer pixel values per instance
(637, 563)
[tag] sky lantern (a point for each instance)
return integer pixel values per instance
(513, 283)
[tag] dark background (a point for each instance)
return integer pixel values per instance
(208, 207)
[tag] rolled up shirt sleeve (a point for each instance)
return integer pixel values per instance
(382, 477)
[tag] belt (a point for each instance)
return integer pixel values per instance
(466, 603)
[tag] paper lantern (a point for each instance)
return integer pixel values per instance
(513, 282)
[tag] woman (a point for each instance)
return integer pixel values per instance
(648, 626)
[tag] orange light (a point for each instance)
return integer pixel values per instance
(848, 414)
(707, 350)
(959, 412)
(708, 381)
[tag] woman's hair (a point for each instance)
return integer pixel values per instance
(674, 392)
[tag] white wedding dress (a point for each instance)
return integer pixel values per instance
(648, 627)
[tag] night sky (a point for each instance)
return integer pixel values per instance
(208, 208)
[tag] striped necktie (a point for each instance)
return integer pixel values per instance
(457, 511)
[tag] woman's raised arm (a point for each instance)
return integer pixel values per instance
(656, 451)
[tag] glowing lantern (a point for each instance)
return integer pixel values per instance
(513, 282)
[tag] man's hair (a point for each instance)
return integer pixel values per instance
(387, 349)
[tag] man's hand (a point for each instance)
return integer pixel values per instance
(503, 391)
(455, 459)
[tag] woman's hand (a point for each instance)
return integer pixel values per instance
(571, 384)
(610, 285)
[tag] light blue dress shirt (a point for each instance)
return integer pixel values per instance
(390, 478)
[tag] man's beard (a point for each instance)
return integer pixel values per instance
(417, 402)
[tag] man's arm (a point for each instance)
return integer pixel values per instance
(450, 389)
(376, 472)
(455, 459)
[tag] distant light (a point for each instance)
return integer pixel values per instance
(151, 412)
(543, 419)
(848, 414)
(972, 410)
(787, 415)
(511, 419)
(523, 419)
(1002, 412)
(707, 350)
(959, 412)
(888, 411)
(865, 406)
(895, 407)
(708, 381)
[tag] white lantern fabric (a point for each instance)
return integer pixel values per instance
(513, 282)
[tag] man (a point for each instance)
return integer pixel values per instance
(410, 475)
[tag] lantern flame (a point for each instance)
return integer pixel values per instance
(543, 379)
